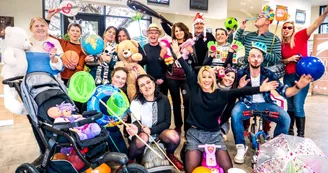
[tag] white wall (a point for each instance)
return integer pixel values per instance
(217, 9)
(22, 11)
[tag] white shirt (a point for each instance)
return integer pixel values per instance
(257, 98)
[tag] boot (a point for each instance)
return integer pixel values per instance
(292, 121)
(300, 124)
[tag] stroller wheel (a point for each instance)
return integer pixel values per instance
(26, 168)
(133, 168)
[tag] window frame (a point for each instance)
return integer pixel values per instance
(321, 9)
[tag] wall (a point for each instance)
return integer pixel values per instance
(217, 9)
(314, 16)
(21, 10)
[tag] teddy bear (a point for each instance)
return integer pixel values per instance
(15, 64)
(128, 54)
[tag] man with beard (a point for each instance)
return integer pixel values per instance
(155, 65)
(255, 75)
(263, 35)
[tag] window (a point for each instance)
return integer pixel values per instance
(324, 26)
(113, 16)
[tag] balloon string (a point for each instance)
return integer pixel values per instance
(274, 36)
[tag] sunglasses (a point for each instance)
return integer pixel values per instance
(287, 27)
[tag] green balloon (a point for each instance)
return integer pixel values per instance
(81, 87)
(118, 103)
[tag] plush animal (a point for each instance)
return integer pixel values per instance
(15, 64)
(168, 58)
(151, 160)
(184, 46)
(128, 54)
(63, 113)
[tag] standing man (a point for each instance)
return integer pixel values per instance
(156, 66)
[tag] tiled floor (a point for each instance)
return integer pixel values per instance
(17, 144)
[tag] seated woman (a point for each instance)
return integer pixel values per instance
(153, 110)
(207, 103)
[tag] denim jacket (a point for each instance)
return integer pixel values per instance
(265, 73)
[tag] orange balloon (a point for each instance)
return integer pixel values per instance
(281, 13)
(103, 168)
(201, 169)
(70, 57)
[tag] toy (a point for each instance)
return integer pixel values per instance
(310, 65)
(81, 86)
(184, 46)
(70, 57)
(75, 160)
(209, 158)
(201, 169)
(168, 59)
(231, 23)
(15, 64)
(151, 160)
(103, 168)
(128, 54)
(48, 46)
(116, 101)
(63, 113)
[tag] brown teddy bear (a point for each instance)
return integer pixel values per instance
(128, 54)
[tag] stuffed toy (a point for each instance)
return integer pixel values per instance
(168, 59)
(128, 54)
(184, 46)
(15, 64)
(63, 113)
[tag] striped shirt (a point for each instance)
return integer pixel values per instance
(272, 57)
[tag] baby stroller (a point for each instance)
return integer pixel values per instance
(39, 91)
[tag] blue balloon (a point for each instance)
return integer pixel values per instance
(310, 65)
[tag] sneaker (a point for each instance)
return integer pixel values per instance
(177, 162)
(241, 153)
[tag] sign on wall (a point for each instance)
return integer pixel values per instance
(320, 50)
(4, 22)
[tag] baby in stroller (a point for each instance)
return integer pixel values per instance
(40, 92)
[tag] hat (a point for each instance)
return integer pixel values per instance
(198, 19)
(153, 27)
(268, 12)
(260, 46)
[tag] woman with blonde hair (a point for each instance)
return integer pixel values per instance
(206, 105)
(293, 47)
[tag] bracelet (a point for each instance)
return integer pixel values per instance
(297, 87)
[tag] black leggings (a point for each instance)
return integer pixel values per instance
(175, 86)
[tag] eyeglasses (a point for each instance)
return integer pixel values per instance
(261, 16)
(287, 27)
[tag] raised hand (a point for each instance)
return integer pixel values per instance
(268, 86)
(304, 81)
(132, 129)
(243, 82)
(51, 13)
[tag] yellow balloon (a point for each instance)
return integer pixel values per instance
(201, 169)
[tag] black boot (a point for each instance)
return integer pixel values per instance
(292, 120)
(300, 124)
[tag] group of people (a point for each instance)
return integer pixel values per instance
(208, 102)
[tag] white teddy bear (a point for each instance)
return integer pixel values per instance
(15, 64)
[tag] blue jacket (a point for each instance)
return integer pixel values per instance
(265, 73)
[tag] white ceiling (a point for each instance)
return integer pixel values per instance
(255, 6)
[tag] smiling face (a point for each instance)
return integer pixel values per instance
(206, 79)
(179, 34)
(153, 35)
(255, 58)
(146, 86)
(199, 28)
(228, 79)
(39, 29)
(221, 37)
(74, 33)
(287, 29)
(121, 36)
(119, 79)
(110, 35)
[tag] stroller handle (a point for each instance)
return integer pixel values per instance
(12, 80)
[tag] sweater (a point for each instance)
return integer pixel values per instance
(205, 108)
(163, 114)
(201, 49)
(155, 64)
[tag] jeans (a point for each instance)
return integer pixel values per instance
(296, 102)
(116, 140)
(174, 87)
(237, 117)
